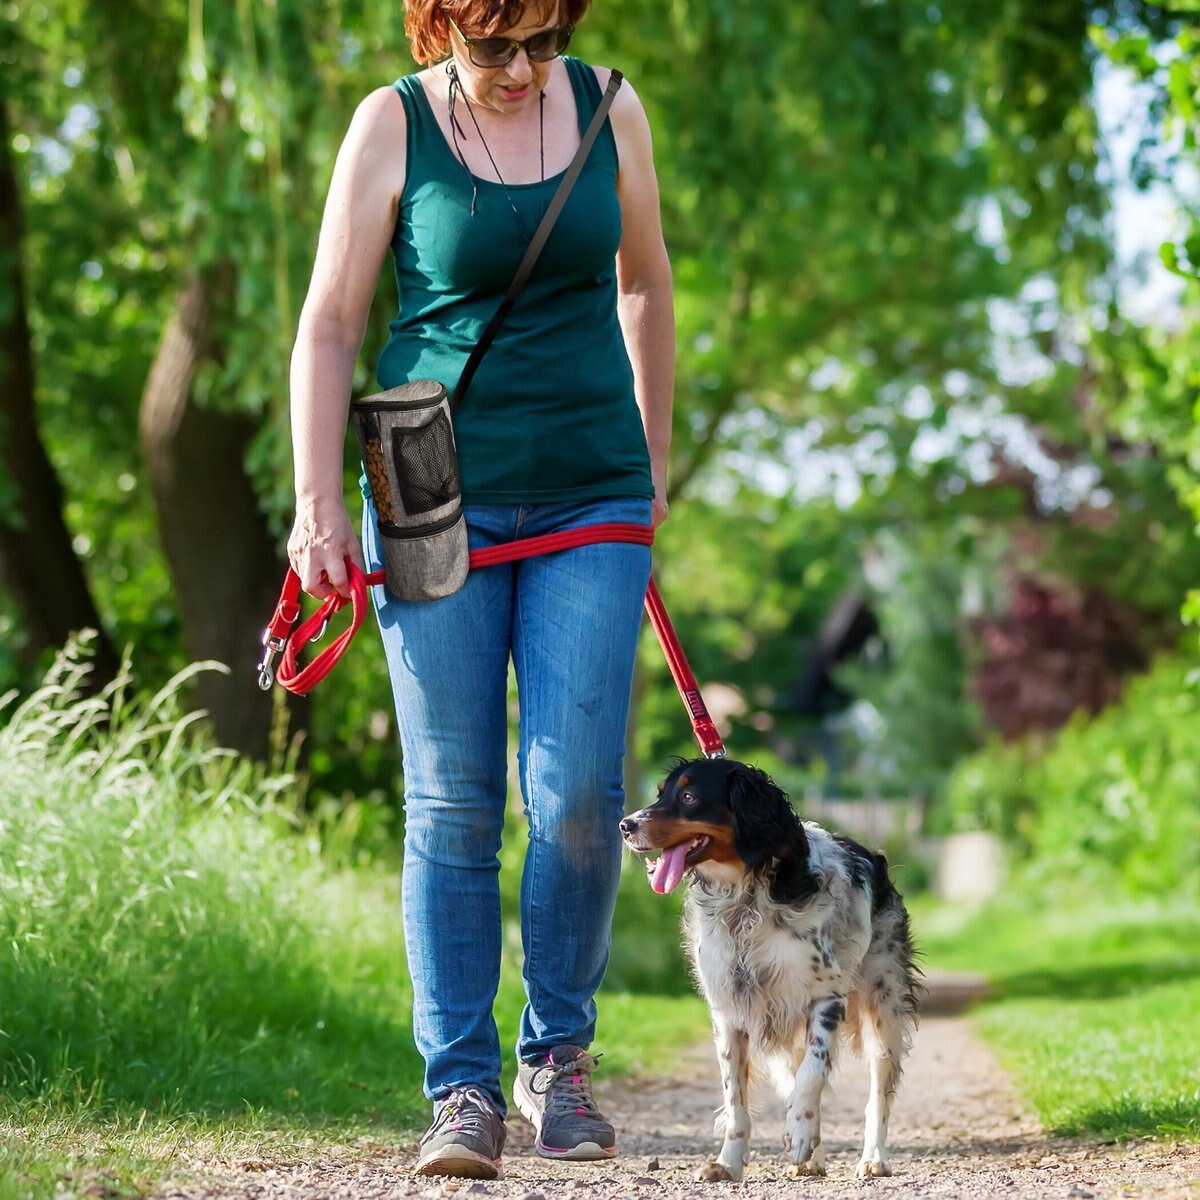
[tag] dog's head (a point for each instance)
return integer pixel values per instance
(713, 810)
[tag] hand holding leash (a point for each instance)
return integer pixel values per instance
(279, 638)
(321, 542)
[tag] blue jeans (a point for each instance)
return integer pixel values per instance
(569, 621)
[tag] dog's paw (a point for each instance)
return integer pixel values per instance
(814, 1168)
(871, 1168)
(715, 1172)
(810, 1161)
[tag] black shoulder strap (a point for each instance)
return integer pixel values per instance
(540, 237)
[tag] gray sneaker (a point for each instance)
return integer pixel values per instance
(466, 1138)
(555, 1093)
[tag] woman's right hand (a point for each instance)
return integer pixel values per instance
(321, 540)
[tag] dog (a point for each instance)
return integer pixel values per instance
(798, 940)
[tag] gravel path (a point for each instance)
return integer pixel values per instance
(958, 1131)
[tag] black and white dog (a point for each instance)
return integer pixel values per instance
(797, 938)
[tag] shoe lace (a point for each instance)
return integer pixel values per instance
(567, 1086)
(465, 1109)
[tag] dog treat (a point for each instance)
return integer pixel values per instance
(378, 479)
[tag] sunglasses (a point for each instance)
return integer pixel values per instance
(499, 52)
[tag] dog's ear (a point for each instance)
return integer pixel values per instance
(764, 825)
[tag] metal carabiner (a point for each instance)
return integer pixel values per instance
(266, 667)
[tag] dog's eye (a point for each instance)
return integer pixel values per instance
(687, 798)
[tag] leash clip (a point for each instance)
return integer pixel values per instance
(719, 752)
(266, 668)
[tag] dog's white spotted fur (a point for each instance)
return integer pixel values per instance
(790, 969)
(771, 972)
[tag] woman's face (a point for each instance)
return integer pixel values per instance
(515, 85)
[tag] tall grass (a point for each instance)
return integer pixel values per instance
(173, 938)
(170, 938)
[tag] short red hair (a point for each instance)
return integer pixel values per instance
(428, 32)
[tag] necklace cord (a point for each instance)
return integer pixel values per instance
(457, 131)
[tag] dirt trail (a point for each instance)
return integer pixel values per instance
(958, 1131)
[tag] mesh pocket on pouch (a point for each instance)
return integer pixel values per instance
(426, 465)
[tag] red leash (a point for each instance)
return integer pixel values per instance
(702, 724)
(279, 637)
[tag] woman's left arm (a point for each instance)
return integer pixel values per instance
(645, 302)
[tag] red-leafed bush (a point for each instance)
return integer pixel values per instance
(1054, 651)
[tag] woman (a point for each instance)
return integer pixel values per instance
(566, 424)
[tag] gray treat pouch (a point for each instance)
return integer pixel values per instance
(407, 442)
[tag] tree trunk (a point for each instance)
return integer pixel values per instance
(38, 564)
(225, 566)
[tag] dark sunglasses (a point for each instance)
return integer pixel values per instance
(499, 51)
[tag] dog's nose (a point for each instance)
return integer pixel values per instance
(629, 824)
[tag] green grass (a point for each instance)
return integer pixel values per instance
(1096, 1009)
(68, 1144)
(187, 971)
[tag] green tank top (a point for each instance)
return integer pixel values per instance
(550, 414)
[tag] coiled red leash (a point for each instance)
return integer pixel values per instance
(282, 640)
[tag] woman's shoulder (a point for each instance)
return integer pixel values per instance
(627, 114)
(379, 128)
(416, 83)
(386, 105)
(380, 111)
(626, 99)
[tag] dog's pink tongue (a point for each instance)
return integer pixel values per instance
(669, 870)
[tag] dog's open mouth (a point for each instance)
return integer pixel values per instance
(666, 872)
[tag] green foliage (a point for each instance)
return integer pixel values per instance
(825, 174)
(647, 953)
(848, 192)
(924, 579)
(170, 939)
(821, 197)
(1111, 800)
(1094, 1008)
(176, 937)
(989, 790)
(212, 156)
(747, 581)
(1150, 376)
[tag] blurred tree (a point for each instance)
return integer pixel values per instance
(849, 191)
(847, 187)
(1147, 394)
(885, 219)
(1052, 654)
(37, 560)
(163, 187)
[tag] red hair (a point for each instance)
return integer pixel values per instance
(428, 32)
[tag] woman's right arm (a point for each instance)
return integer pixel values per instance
(356, 230)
